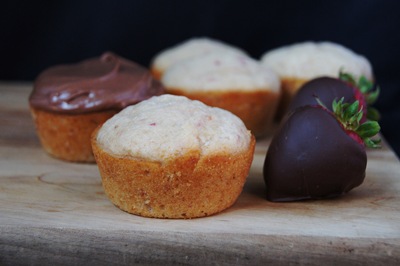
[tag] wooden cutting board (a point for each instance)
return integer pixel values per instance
(56, 212)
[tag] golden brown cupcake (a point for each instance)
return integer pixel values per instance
(171, 157)
(298, 63)
(230, 81)
(69, 101)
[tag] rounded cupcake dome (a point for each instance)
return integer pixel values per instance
(308, 60)
(224, 71)
(188, 49)
(227, 80)
(168, 126)
(298, 63)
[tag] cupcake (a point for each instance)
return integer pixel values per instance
(298, 63)
(188, 49)
(69, 101)
(171, 157)
(230, 81)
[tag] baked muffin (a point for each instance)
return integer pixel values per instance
(171, 157)
(188, 49)
(230, 81)
(69, 101)
(298, 63)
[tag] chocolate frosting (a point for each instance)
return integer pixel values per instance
(102, 83)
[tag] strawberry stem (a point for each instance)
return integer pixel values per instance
(366, 87)
(349, 116)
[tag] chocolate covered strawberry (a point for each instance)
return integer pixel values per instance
(317, 153)
(328, 89)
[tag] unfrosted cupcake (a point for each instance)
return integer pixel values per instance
(171, 157)
(230, 81)
(188, 49)
(69, 101)
(298, 63)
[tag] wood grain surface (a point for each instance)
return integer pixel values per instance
(55, 212)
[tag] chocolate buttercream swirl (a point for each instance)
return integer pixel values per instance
(102, 83)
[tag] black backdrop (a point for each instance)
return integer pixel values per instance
(39, 34)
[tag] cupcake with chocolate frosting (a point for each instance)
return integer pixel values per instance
(69, 101)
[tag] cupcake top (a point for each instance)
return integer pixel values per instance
(101, 83)
(223, 71)
(188, 49)
(170, 126)
(313, 59)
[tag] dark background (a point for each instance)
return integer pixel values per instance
(39, 34)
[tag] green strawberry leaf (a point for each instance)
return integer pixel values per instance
(347, 77)
(349, 116)
(373, 114)
(372, 96)
(372, 143)
(368, 129)
(366, 87)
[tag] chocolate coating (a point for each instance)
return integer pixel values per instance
(326, 89)
(102, 83)
(311, 157)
